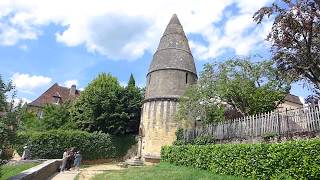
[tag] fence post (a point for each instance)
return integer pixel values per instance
(287, 118)
(279, 124)
(195, 130)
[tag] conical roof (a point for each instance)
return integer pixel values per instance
(173, 51)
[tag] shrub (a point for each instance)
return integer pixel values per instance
(292, 159)
(200, 140)
(203, 140)
(122, 144)
(268, 136)
(51, 144)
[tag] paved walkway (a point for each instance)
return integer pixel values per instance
(86, 173)
(67, 175)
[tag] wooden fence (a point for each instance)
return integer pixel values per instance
(277, 122)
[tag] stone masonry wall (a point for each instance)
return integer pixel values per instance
(158, 125)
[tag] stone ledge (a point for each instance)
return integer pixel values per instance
(42, 171)
(151, 158)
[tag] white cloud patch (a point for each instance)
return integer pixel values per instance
(123, 83)
(127, 29)
(18, 101)
(27, 82)
(69, 83)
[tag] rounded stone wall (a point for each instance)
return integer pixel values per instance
(159, 126)
(168, 83)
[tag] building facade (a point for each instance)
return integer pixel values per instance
(290, 102)
(172, 69)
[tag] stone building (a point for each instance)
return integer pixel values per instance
(171, 71)
(290, 102)
(56, 94)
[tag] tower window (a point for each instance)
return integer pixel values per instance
(186, 78)
(149, 79)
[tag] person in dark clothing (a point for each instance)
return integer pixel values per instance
(70, 159)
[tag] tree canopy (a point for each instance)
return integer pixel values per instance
(56, 116)
(8, 119)
(106, 106)
(295, 38)
(237, 84)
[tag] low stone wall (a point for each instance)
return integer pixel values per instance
(40, 172)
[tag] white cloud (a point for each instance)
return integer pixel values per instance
(27, 82)
(123, 83)
(69, 83)
(17, 101)
(127, 29)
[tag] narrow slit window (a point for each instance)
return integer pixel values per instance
(149, 79)
(186, 78)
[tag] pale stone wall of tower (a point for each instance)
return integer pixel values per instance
(159, 126)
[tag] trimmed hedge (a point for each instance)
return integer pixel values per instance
(292, 159)
(51, 144)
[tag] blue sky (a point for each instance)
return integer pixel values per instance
(46, 41)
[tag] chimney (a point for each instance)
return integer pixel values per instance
(73, 91)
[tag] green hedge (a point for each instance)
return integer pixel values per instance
(51, 144)
(292, 159)
(122, 144)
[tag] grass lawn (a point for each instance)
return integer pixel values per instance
(161, 171)
(12, 170)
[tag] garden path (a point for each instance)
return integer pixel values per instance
(86, 173)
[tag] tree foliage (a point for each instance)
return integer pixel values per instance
(295, 37)
(8, 119)
(132, 102)
(106, 106)
(28, 120)
(250, 88)
(199, 103)
(56, 116)
(238, 84)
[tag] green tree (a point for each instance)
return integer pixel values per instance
(250, 88)
(295, 38)
(131, 82)
(239, 84)
(8, 119)
(99, 107)
(28, 121)
(56, 116)
(132, 101)
(199, 104)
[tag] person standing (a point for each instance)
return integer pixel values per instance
(77, 161)
(70, 159)
(26, 155)
(64, 160)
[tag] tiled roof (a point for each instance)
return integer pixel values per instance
(54, 90)
(293, 99)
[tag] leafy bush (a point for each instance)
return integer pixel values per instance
(292, 159)
(179, 134)
(203, 140)
(200, 140)
(122, 144)
(51, 144)
(268, 136)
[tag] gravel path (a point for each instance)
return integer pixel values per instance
(86, 173)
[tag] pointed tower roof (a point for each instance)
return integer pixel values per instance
(173, 51)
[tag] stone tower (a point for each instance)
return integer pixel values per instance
(171, 70)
